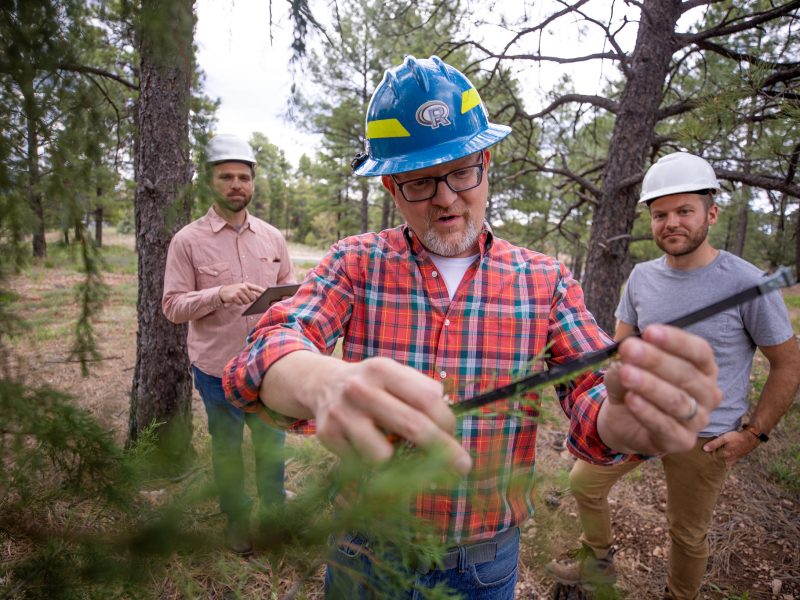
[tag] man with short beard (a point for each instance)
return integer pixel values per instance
(679, 192)
(439, 304)
(216, 266)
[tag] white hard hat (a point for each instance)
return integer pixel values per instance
(678, 173)
(228, 147)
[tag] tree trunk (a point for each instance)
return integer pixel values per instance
(386, 211)
(162, 390)
(364, 184)
(630, 141)
(34, 177)
(577, 265)
(741, 219)
(797, 241)
(98, 224)
(744, 203)
(339, 203)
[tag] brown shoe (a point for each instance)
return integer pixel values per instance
(237, 538)
(582, 568)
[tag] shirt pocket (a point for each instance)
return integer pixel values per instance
(209, 276)
(270, 268)
(716, 329)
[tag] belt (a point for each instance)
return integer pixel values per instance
(470, 554)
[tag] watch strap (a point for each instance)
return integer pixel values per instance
(762, 437)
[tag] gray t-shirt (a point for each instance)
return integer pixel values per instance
(656, 293)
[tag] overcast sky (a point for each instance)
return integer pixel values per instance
(249, 75)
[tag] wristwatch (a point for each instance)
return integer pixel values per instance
(762, 437)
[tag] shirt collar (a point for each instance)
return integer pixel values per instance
(484, 241)
(218, 223)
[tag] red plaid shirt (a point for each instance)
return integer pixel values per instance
(382, 293)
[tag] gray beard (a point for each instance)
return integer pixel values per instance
(437, 245)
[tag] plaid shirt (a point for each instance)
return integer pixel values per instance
(382, 293)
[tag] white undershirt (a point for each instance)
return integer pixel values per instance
(452, 270)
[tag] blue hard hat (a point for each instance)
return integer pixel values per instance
(424, 113)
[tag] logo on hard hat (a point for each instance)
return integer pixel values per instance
(433, 113)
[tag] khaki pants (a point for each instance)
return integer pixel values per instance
(694, 482)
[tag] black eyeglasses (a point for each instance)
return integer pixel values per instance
(424, 188)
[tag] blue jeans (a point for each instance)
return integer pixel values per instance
(226, 426)
(351, 575)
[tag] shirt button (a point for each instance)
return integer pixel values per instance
(447, 322)
(443, 374)
(435, 274)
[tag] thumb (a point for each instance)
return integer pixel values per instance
(616, 391)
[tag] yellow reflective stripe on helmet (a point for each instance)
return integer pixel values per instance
(386, 128)
(469, 100)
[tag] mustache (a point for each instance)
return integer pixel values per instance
(436, 213)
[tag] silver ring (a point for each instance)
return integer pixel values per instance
(692, 411)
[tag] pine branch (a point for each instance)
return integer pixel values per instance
(766, 182)
(95, 71)
(726, 28)
(742, 57)
(598, 101)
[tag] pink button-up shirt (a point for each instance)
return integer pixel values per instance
(206, 255)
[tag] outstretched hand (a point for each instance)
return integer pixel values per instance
(660, 393)
(357, 405)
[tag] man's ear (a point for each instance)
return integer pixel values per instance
(487, 157)
(388, 183)
(713, 213)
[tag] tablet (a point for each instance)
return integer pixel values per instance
(270, 295)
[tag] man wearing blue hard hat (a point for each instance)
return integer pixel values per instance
(440, 304)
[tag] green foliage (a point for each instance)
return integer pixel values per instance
(742, 122)
(272, 200)
(102, 538)
(792, 301)
(785, 468)
(727, 594)
(45, 434)
(127, 224)
(69, 63)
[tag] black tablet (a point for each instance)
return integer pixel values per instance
(270, 295)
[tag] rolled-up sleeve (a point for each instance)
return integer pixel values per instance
(573, 333)
(313, 319)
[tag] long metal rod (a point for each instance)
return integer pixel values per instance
(783, 277)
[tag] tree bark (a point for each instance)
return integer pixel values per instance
(386, 211)
(364, 185)
(98, 223)
(744, 203)
(797, 242)
(161, 393)
(34, 177)
(742, 215)
(631, 139)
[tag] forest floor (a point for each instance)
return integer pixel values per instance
(754, 537)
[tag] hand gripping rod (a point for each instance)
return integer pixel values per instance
(783, 277)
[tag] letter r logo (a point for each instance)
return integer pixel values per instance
(432, 114)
